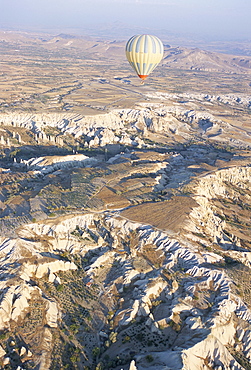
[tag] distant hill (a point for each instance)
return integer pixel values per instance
(197, 59)
(174, 57)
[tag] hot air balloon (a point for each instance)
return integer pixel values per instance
(144, 52)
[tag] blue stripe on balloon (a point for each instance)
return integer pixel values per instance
(138, 43)
(146, 45)
(129, 44)
(149, 68)
(144, 69)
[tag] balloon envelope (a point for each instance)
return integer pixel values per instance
(144, 52)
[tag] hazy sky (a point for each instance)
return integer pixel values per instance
(215, 19)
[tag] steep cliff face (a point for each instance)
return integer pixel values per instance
(45, 165)
(135, 256)
(150, 291)
(214, 193)
(134, 126)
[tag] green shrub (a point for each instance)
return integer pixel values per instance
(149, 358)
(3, 336)
(126, 339)
(96, 351)
(60, 287)
(51, 214)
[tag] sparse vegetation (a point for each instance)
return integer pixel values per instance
(151, 239)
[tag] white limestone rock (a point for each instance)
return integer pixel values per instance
(22, 351)
(52, 314)
(6, 308)
(52, 277)
(6, 361)
(48, 268)
(132, 365)
(2, 352)
(49, 164)
(211, 349)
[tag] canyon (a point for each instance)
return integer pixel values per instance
(125, 219)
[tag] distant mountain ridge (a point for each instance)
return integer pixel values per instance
(174, 57)
(198, 59)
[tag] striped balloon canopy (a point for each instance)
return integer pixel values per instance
(144, 52)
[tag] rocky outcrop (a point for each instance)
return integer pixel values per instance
(45, 165)
(14, 301)
(132, 126)
(231, 99)
(210, 352)
(174, 287)
(47, 268)
(211, 186)
(176, 299)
